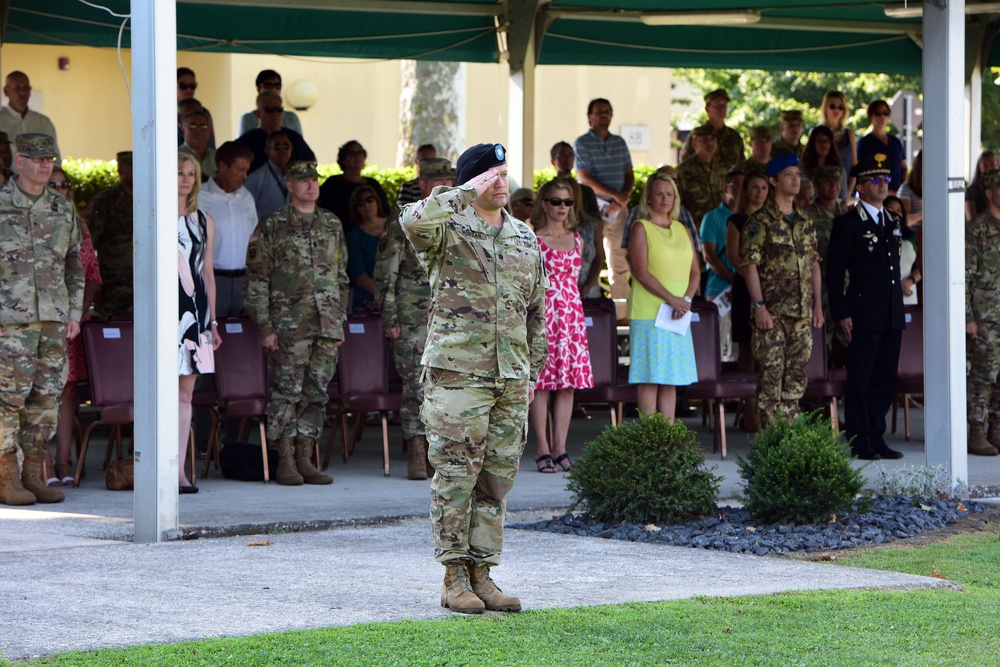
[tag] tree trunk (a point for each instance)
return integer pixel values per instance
(431, 109)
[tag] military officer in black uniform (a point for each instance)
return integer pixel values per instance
(865, 243)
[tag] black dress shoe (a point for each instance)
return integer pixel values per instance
(882, 449)
(861, 448)
(194, 489)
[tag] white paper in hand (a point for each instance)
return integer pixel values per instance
(665, 320)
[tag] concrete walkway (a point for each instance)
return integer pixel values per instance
(72, 580)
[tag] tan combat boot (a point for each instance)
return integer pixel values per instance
(456, 592)
(33, 479)
(978, 444)
(287, 475)
(304, 449)
(12, 491)
(484, 588)
(993, 435)
(416, 467)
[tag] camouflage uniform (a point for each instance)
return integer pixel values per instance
(780, 147)
(982, 306)
(701, 186)
(109, 216)
(784, 254)
(41, 289)
(485, 347)
(295, 286)
(404, 297)
(729, 150)
(823, 222)
(749, 166)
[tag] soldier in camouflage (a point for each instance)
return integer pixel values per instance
(790, 141)
(296, 293)
(41, 297)
(109, 216)
(778, 253)
(982, 316)
(827, 206)
(730, 150)
(485, 347)
(700, 177)
(404, 297)
(760, 151)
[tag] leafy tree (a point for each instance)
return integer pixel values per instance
(758, 96)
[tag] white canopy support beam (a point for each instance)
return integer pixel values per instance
(154, 140)
(523, 19)
(944, 258)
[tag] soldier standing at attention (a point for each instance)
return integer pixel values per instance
(778, 253)
(730, 151)
(404, 297)
(485, 348)
(701, 178)
(296, 291)
(982, 316)
(865, 244)
(41, 296)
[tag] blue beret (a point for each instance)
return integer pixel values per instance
(478, 159)
(781, 163)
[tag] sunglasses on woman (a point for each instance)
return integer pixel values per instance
(555, 201)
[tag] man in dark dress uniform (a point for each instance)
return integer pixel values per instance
(865, 242)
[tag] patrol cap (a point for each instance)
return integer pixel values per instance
(781, 163)
(123, 157)
(301, 170)
(871, 167)
(717, 94)
(990, 179)
(826, 173)
(478, 159)
(35, 144)
(761, 132)
(436, 168)
(702, 131)
(791, 115)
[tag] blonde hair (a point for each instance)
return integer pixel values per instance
(538, 218)
(835, 95)
(675, 210)
(192, 199)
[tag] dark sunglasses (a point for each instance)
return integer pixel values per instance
(527, 201)
(366, 200)
(880, 180)
(838, 107)
(273, 109)
(60, 185)
(555, 201)
(885, 112)
(187, 86)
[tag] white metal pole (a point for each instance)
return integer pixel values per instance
(154, 139)
(944, 236)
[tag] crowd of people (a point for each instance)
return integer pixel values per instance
(481, 292)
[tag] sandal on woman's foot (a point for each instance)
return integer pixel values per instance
(563, 461)
(62, 472)
(545, 464)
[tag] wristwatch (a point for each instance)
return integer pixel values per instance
(688, 299)
(755, 305)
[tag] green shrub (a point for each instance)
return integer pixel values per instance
(89, 177)
(644, 471)
(798, 472)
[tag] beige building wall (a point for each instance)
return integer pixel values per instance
(357, 100)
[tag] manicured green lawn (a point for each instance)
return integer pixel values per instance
(837, 628)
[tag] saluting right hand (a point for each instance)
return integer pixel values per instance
(485, 180)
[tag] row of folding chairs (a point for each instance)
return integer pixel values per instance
(716, 386)
(366, 380)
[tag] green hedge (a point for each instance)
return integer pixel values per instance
(91, 176)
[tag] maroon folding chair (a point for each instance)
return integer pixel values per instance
(910, 372)
(821, 383)
(610, 383)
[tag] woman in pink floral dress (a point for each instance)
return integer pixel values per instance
(568, 365)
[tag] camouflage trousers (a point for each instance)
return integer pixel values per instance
(407, 350)
(782, 354)
(300, 371)
(476, 430)
(32, 375)
(984, 375)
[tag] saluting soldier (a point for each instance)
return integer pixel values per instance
(982, 316)
(404, 297)
(486, 346)
(41, 297)
(295, 291)
(778, 253)
(865, 244)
